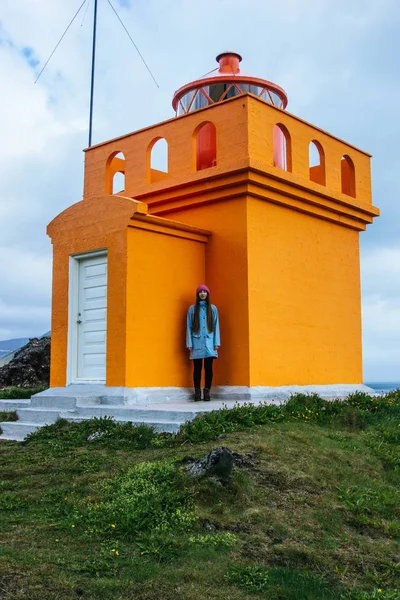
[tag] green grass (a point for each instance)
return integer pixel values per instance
(20, 393)
(8, 415)
(316, 516)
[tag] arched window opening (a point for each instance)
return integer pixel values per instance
(282, 148)
(157, 160)
(317, 162)
(205, 146)
(348, 176)
(118, 182)
(115, 173)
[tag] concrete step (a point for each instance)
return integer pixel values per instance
(18, 430)
(124, 413)
(15, 430)
(159, 425)
(42, 416)
(10, 405)
(53, 402)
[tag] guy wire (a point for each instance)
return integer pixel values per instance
(61, 38)
(137, 49)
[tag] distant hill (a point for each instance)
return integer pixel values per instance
(7, 346)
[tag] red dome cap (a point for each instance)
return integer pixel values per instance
(226, 81)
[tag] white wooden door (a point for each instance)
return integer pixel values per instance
(92, 319)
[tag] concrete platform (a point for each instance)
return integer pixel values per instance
(101, 394)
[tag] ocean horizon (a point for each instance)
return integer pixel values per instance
(383, 386)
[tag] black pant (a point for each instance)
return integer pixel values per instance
(208, 368)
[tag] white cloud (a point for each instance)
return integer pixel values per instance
(16, 321)
(25, 297)
(380, 268)
(381, 313)
(28, 275)
(381, 318)
(36, 128)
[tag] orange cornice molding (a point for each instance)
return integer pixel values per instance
(167, 227)
(283, 188)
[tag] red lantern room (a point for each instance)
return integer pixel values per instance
(224, 82)
(227, 81)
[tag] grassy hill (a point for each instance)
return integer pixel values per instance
(314, 514)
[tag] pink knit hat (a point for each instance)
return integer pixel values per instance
(202, 287)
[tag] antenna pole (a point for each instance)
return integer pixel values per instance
(92, 77)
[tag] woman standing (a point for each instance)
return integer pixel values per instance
(202, 339)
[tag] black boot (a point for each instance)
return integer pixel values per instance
(197, 394)
(206, 394)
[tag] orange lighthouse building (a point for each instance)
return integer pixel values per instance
(238, 206)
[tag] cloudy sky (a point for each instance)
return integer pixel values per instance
(336, 59)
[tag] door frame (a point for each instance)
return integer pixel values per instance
(73, 288)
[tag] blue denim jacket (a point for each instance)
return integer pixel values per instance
(202, 344)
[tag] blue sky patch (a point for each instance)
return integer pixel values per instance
(28, 54)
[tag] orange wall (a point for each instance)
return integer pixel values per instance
(286, 285)
(163, 273)
(304, 299)
(85, 227)
(59, 317)
(154, 266)
(115, 244)
(226, 276)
